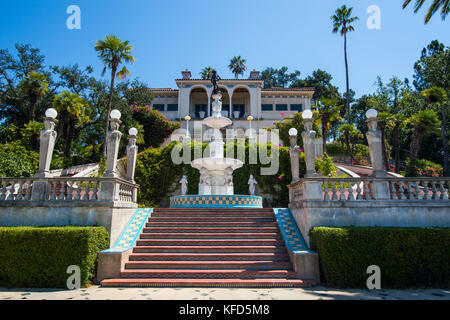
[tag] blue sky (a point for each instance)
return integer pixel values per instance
(172, 35)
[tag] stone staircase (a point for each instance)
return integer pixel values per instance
(209, 248)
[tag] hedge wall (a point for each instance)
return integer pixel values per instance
(407, 257)
(36, 257)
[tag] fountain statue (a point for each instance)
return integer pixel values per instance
(216, 171)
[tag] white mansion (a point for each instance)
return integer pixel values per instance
(241, 98)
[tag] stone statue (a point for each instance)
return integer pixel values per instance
(229, 176)
(205, 179)
(252, 183)
(309, 138)
(294, 153)
(184, 187)
(215, 80)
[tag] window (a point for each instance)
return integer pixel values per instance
(159, 107)
(267, 107)
(296, 107)
(172, 107)
(240, 108)
(281, 107)
(198, 108)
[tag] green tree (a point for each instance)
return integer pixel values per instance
(237, 66)
(342, 23)
(206, 73)
(74, 115)
(320, 80)
(424, 122)
(35, 85)
(327, 113)
(444, 5)
(113, 52)
(349, 135)
(279, 77)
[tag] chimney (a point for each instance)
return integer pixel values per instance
(186, 74)
(254, 74)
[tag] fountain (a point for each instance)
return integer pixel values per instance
(216, 172)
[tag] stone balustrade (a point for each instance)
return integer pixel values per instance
(67, 189)
(362, 189)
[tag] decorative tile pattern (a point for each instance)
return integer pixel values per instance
(132, 231)
(216, 201)
(289, 229)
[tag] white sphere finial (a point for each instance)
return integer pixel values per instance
(250, 118)
(307, 114)
(115, 114)
(51, 113)
(133, 132)
(187, 118)
(293, 132)
(371, 114)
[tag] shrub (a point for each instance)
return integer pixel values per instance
(423, 167)
(17, 161)
(407, 257)
(39, 257)
(335, 149)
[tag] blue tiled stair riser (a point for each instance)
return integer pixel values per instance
(216, 201)
(132, 231)
(292, 236)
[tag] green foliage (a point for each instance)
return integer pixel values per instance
(294, 121)
(325, 165)
(423, 167)
(335, 149)
(17, 161)
(32, 257)
(407, 257)
(156, 126)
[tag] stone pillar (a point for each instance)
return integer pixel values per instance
(294, 152)
(309, 139)
(41, 189)
(109, 190)
(380, 188)
(132, 150)
(112, 148)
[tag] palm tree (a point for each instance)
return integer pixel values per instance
(327, 114)
(35, 85)
(399, 120)
(434, 7)
(206, 73)
(237, 66)
(113, 52)
(342, 21)
(348, 135)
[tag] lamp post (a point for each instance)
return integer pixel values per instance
(294, 152)
(187, 118)
(250, 119)
(309, 138)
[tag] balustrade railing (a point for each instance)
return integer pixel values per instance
(64, 189)
(360, 189)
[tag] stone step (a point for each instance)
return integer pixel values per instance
(180, 223)
(210, 230)
(209, 242)
(210, 265)
(209, 257)
(210, 219)
(209, 249)
(208, 274)
(211, 283)
(203, 235)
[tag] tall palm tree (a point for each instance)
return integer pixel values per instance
(237, 66)
(342, 23)
(206, 73)
(113, 52)
(434, 7)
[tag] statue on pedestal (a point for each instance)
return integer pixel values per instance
(252, 184)
(215, 80)
(184, 187)
(205, 179)
(229, 176)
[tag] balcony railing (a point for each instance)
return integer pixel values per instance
(67, 189)
(360, 189)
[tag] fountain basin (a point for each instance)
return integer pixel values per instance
(217, 122)
(216, 201)
(216, 164)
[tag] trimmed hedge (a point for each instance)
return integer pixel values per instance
(37, 257)
(407, 257)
